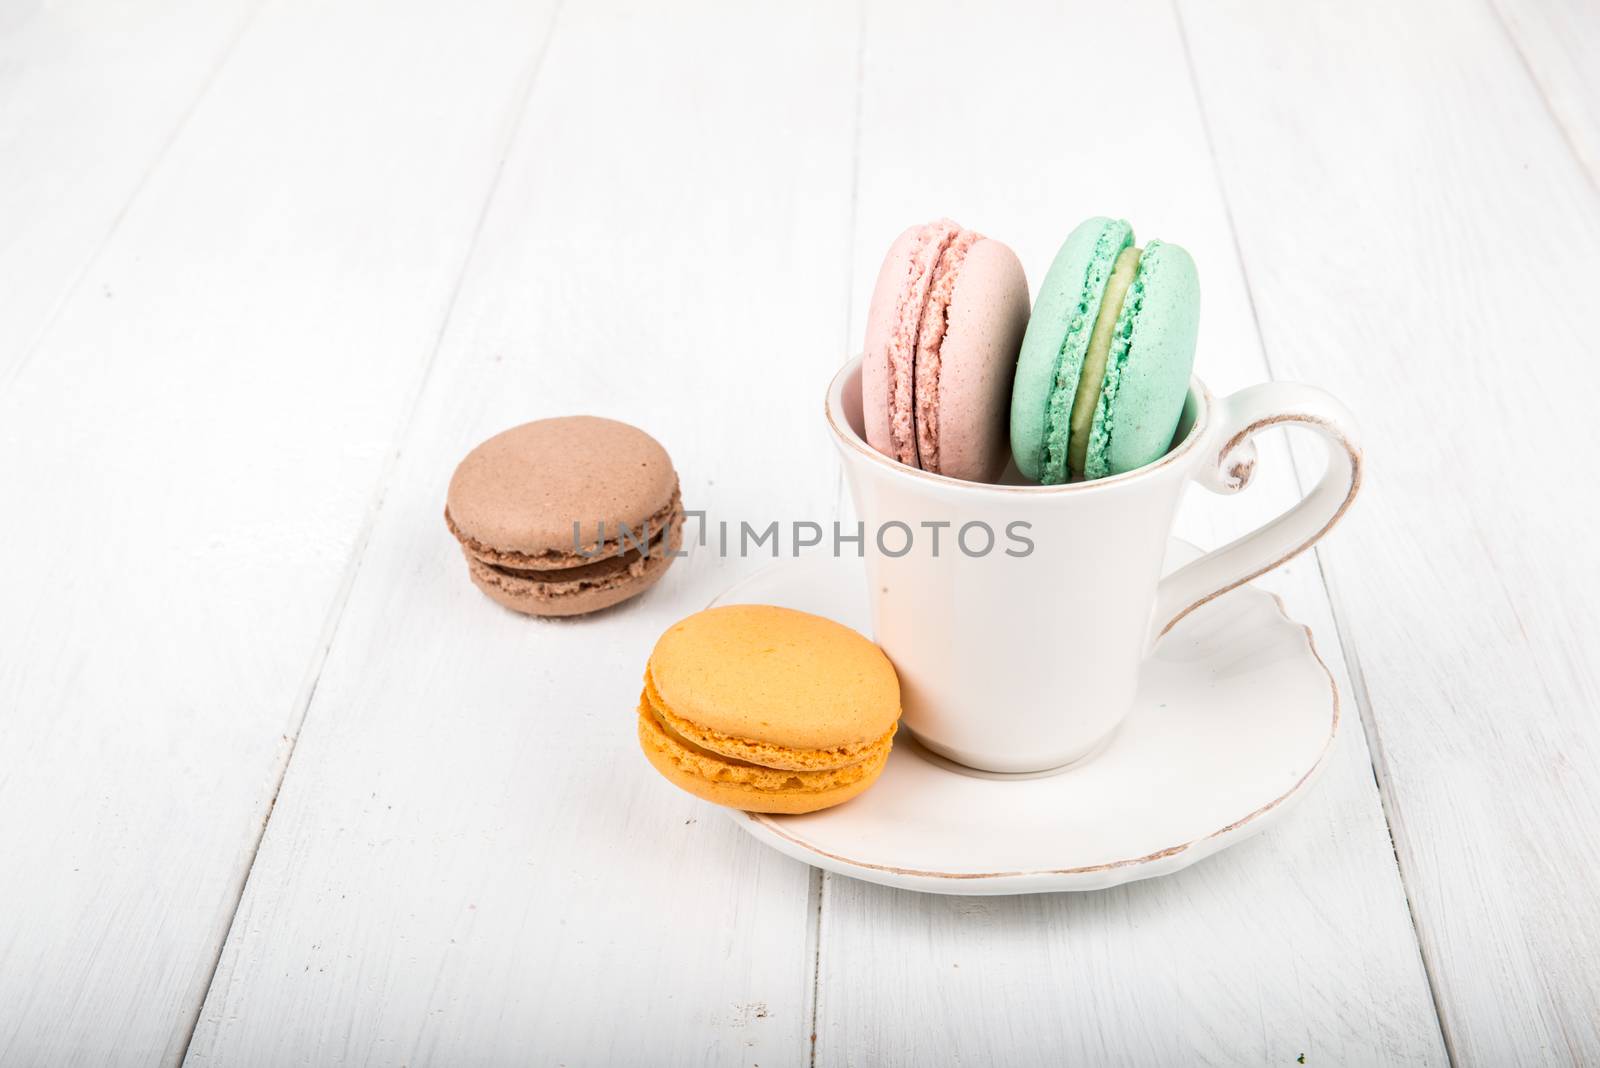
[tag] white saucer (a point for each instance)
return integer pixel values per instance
(1234, 716)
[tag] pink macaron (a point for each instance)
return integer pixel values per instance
(946, 322)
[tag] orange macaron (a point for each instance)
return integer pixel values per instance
(768, 709)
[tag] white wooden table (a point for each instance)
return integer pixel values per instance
(277, 786)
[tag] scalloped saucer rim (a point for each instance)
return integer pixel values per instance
(931, 826)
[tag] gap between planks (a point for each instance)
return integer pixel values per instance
(1358, 684)
(1352, 661)
(820, 879)
(814, 900)
(341, 597)
(31, 346)
(1540, 90)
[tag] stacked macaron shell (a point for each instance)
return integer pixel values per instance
(947, 314)
(768, 709)
(1105, 363)
(565, 516)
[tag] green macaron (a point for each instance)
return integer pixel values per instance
(1106, 357)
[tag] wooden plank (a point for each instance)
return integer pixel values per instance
(1424, 241)
(91, 94)
(470, 861)
(1297, 942)
(190, 461)
(1558, 41)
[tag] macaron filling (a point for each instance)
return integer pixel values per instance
(711, 766)
(759, 753)
(571, 583)
(1097, 460)
(930, 338)
(605, 563)
(927, 247)
(1092, 379)
(562, 588)
(922, 318)
(652, 529)
(1069, 372)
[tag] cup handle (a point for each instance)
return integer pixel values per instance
(1227, 467)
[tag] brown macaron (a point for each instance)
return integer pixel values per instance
(565, 516)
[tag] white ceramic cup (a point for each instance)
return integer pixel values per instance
(1024, 663)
